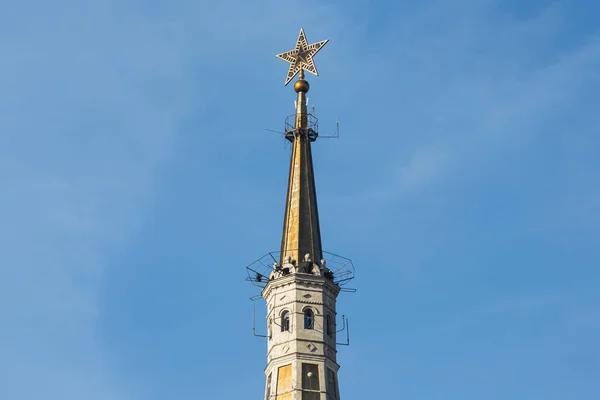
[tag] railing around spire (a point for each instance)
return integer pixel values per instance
(311, 131)
(338, 269)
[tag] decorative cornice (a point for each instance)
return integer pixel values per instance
(301, 279)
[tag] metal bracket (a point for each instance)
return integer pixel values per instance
(346, 327)
(254, 323)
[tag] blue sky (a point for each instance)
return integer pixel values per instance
(138, 181)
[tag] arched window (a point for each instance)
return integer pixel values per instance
(270, 329)
(329, 325)
(309, 319)
(285, 321)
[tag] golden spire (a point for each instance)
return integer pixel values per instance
(301, 232)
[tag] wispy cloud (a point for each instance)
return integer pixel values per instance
(93, 97)
(84, 125)
(572, 310)
(488, 85)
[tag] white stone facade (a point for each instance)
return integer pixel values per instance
(301, 330)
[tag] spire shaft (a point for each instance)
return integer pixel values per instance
(301, 113)
(301, 231)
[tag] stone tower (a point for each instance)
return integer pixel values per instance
(301, 283)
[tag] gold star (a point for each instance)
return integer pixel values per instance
(301, 58)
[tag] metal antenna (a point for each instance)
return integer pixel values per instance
(347, 328)
(254, 323)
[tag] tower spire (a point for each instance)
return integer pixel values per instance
(301, 295)
(301, 235)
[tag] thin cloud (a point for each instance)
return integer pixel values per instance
(93, 98)
(474, 114)
(82, 133)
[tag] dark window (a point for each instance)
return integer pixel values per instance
(311, 395)
(285, 321)
(331, 383)
(270, 329)
(310, 377)
(269, 387)
(329, 325)
(309, 319)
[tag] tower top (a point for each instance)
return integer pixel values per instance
(301, 58)
(301, 237)
(301, 283)
(301, 250)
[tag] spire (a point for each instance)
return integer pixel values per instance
(301, 328)
(301, 232)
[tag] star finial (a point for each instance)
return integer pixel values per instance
(301, 58)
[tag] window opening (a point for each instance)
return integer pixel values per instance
(309, 319)
(329, 325)
(310, 376)
(269, 387)
(331, 381)
(285, 321)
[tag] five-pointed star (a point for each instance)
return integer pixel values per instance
(301, 58)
